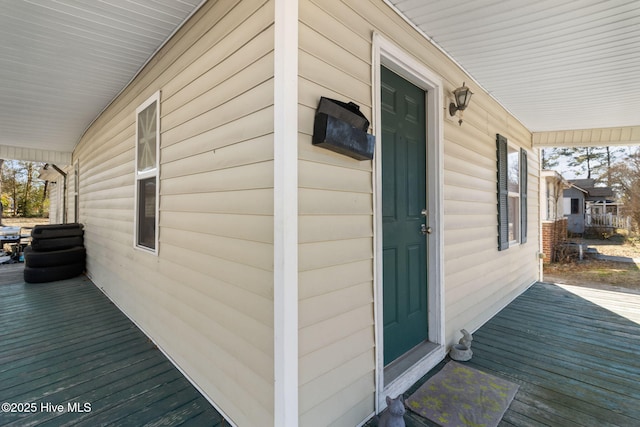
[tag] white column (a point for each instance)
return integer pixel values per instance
(285, 194)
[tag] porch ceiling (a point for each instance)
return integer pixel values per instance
(63, 61)
(555, 64)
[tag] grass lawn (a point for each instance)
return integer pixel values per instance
(623, 274)
(23, 222)
(590, 272)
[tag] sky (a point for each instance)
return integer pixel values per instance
(569, 172)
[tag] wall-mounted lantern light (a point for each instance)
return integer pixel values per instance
(462, 96)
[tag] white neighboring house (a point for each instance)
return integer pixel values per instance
(552, 184)
(553, 220)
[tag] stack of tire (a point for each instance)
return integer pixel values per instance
(56, 252)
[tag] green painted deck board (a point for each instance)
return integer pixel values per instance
(573, 351)
(567, 397)
(65, 342)
(568, 363)
(576, 360)
(55, 339)
(38, 368)
(208, 417)
(181, 414)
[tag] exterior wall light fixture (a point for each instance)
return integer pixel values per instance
(462, 96)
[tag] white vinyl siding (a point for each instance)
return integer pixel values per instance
(207, 298)
(56, 202)
(336, 211)
(602, 137)
(35, 155)
(337, 355)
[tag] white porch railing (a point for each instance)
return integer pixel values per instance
(608, 220)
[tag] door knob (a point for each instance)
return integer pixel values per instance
(424, 229)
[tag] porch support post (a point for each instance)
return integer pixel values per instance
(64, 192)
(285, 193)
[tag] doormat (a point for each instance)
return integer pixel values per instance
(459, 396)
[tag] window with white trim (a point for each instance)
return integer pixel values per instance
(513, 185)
(512, 194)
(147, 173)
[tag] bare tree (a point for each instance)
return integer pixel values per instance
(625, 178)
(26, 195)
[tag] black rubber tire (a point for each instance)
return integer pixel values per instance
(74, 255)
(57, 230)
(52, 274)
(56, 244)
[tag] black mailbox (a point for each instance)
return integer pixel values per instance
(341, 127)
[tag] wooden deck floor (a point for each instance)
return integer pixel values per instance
(64, 343)
(574, 351)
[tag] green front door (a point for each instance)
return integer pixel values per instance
(403, 200)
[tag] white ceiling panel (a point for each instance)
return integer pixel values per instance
(63, 61)
(555, 64)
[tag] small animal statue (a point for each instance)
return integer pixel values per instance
(393, 416)
(466, 339)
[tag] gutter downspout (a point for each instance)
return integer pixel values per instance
(64, 192)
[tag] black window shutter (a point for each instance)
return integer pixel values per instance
(523, 195)
(503, 193)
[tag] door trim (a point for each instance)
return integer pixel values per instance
(394, 58)
(76, 191)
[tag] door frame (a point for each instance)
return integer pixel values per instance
(76, 191)
(394, 58)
